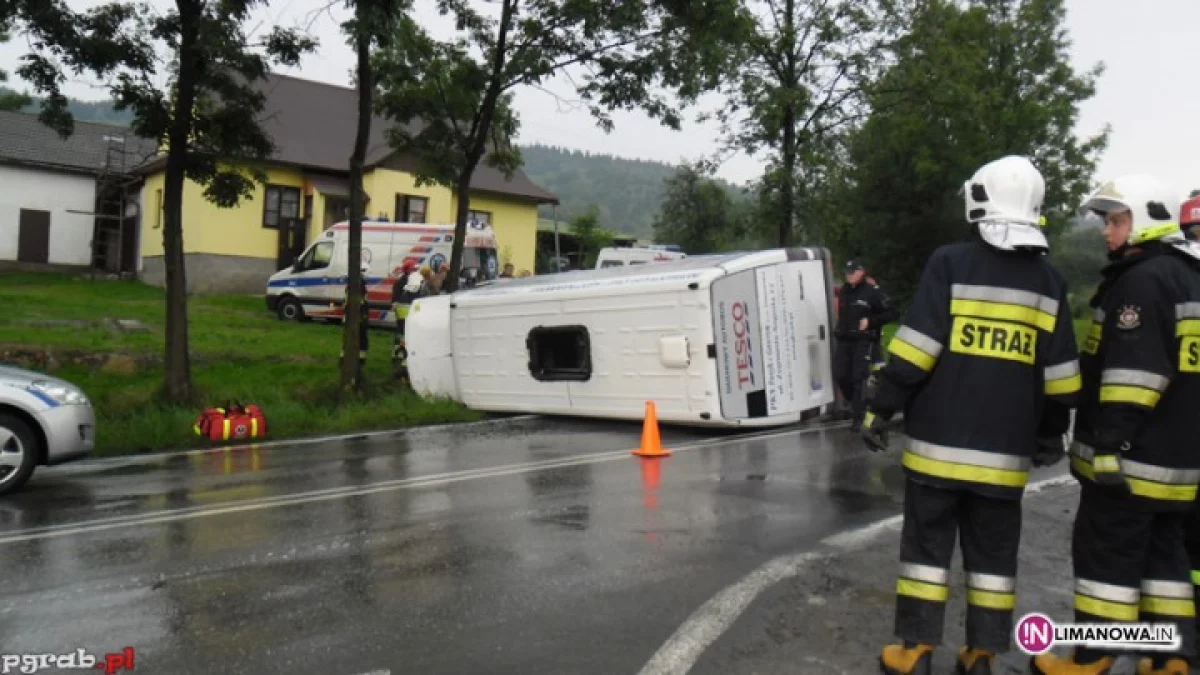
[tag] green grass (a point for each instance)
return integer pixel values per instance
(239, 351)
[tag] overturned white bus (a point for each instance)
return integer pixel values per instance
(727, 340)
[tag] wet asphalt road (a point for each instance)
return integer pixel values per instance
(517, 547)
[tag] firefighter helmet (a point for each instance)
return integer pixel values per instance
(1004, 198)
(1189, 215)
(1152, 204)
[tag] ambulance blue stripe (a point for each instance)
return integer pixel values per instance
(303, 283)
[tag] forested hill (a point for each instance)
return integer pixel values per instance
(627, 192)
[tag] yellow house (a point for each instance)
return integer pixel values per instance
(307, 189)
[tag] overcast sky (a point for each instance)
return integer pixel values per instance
(1150, 49)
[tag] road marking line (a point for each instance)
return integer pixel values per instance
(188, 513)
(680, 652)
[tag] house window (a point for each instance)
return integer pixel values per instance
(282, 203)
(411, 209)
(158, 212)
(559, 354)
(479, 218)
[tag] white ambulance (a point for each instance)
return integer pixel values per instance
(727, 340)
(620, 256)
(314, 287)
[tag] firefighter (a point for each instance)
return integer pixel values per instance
(985, 369)
(863, 309)
(1133, 452)
(406, 289)
(1189, 216)
(1189, 220)
(363, 324)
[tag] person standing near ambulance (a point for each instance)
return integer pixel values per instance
(863, 309)
(985, 369)
(1135, 452)
(407, 288)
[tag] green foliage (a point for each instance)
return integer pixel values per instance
(458, 93)
(117, 42)
(969, 85)
(591, 238)
(101, 111)
(208, 113)
(797, 74)
(240, 351)
(700, 215)
(1079, 253)
(627, 192)
(9, 99)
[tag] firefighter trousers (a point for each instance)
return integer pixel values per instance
(1131, 565)
(1191, 533)
(990, 531)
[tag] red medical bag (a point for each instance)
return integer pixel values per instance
(234, 421)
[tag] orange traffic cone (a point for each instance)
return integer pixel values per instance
(651, 446)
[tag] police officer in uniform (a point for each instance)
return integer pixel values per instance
(863, 309)
(985, 369)
(1135, 453)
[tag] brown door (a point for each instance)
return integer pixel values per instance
(291, 241)
(33, 242)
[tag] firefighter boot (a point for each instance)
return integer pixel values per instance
(974, 662)
(901, 660)
(1050, 664)
(1174, 666)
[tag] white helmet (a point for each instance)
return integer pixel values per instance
(1004, 198)
(1155, 207)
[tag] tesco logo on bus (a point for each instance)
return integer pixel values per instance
(741, 345)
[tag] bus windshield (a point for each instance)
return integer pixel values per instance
(483, 259)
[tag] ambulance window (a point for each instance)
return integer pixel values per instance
(637, 262)
(560, 354)
(612, 263)
(318, 256)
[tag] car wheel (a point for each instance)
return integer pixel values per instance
(290, 309)
(18, 453)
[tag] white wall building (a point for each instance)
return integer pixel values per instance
(60, 199)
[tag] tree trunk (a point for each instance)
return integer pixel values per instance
(480, 133)
(788, 197)
(462, 197)
(178, 365)
(351, 371)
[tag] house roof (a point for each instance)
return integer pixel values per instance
(313, 125)
(25, 140)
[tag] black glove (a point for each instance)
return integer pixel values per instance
(875, 431)
(1049, 451)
